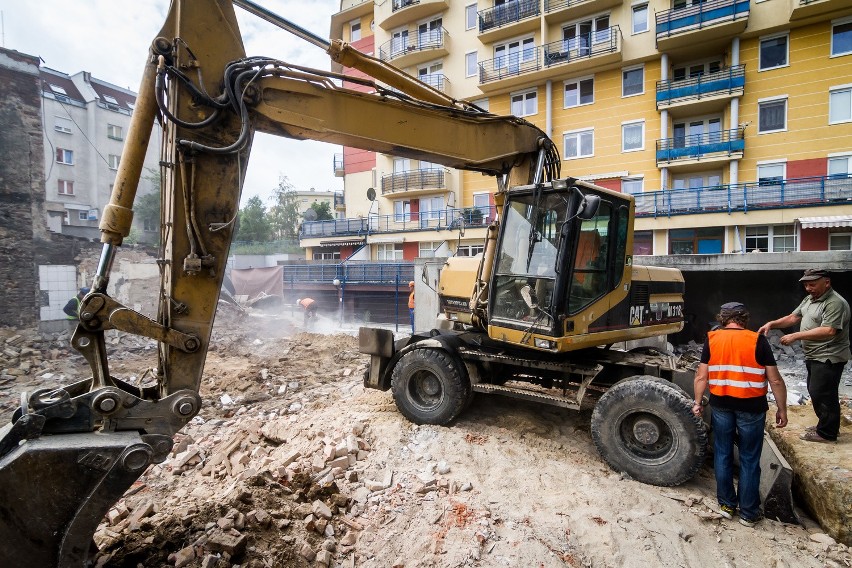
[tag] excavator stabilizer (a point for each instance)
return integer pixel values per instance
(776, 482)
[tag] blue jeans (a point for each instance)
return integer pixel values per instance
(411, 316)
(746, 428)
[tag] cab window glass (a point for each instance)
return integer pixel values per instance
(589, 280)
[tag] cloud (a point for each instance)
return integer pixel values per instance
(110, 40)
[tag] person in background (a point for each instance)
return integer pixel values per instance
(72, 309)
(737, 364)
(824, 333)
(411, 304)
(309, 305)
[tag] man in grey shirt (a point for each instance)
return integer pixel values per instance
(824, 333)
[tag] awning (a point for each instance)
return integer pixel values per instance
(76, 207)
(350, 242)
(825, 222)
(387, 241)
(607, 175)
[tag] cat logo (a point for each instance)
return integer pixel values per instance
(636, 315)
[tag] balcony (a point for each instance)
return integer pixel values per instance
(702, 91)
(558, 11)
(508, 19)
(801, 9)
(694, 26)
(450, 218)
(339, 202)
(350, 272)
(414, 48)
(390, 15)
(583, 47)
(339, 171)
(781, 194)
(438, 81)
(414, 182)
(701, 148)
(512, 65)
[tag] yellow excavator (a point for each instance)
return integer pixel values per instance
(531, 319)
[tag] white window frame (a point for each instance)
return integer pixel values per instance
(386, 250)
(63, 124)
(469, 250)
(839, 158)
(767, 100)
(627, 124)
(786, 63)
(526, 95)
(113, 161)
(772, 164)
(65, 187)
(467, 22)
(482, 103)
(353, 29)
(58, 90)
(427, 247)
(839, 89)
(578, 82)
(831, 237)
(522, 52)
(771, 237)
(115, 132)
(633, 179)
(110, 99)
(577, 133)
(627, 70)
(835, 23)
(634, 9)
(67, 156)
(467, 64)
(83, 215)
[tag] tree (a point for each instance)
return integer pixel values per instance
(323, 211)
(254, 224)
(284, 214)
(147, 207)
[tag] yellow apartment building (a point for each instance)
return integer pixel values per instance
(729, 120)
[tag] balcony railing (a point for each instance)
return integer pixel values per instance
(449, 218)
(700, 15)
(351, 272)
(413, 179)
(726, 81)
(436, 80)
(400, 4)
(416, 41)
(338, 164)
(551, 5)
(507, 13)
(583, 46)
(339, 200)
(774, 194)
(698, 145)
(510, 65)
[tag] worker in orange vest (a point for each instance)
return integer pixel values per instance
(738, 365)
(411, 304)
(310, 307)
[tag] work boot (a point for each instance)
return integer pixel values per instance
(812, 436)
(749, 522)
(727, 512)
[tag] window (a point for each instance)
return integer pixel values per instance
(840, 105)
(427, 248)
(695, 70)
(840, 166)
(511, 55)
(82, 215)
(150, 224)
(430, 34)
(840, 241)
(777, 238)
(470, 64)
(773, 52)
(65, 187)
(470, 17)
(579, 37)
(769, 174)
(632, 185)
(772, 116)
(64, 156)
(633, 136)
(62, 125)
(113, 160)
(110, 99)
(469, 250)
(633, 81)
(401, 165)
(389, 251)
(640, 18)
(579, 92)
(712, 180)
(525, 104)
(481, 103)
(354, 31)
(58, 90)
(643, 242)
(841, 38)
(114, 132)
(401, 211)
(706, 240)
(327, 255)
(482, 202)
(579, 144)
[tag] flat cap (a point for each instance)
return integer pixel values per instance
(733, 308)
(813, 274)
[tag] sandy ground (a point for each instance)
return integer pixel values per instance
(509, 484)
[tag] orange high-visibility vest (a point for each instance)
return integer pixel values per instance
(307, 303)
(411, 300)
(733, 367)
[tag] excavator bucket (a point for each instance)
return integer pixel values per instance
(776, 482)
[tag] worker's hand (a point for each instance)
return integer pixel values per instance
(788, 339)
(697, 408)
(781, 418)
(763, 329)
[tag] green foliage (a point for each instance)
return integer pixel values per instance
(472, 216)
(323, 211)
(132, 237)
(147, 207)
(284, 213)
(254, 224)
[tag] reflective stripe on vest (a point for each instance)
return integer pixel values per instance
(733, 368)
(74, 318)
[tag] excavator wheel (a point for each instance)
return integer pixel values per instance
(429, 386)
(645, 428)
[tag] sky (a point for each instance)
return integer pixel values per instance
(110, 39)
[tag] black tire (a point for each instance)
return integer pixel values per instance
(673, 441)
(429, 386)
